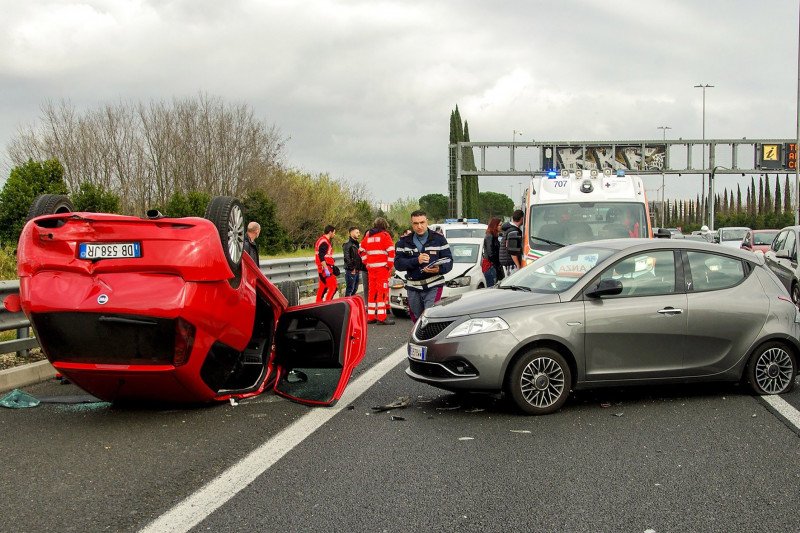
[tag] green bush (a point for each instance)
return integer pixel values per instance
(95, 199)
(24, 184)
(8, 262)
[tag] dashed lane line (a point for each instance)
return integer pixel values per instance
(194, 509)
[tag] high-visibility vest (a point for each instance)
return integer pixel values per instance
(377, 250)
(329, 261)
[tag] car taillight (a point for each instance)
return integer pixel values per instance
(184, 339)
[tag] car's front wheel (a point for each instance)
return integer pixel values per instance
(226, 213)
(291, 290)
(772, 369)
(49, 204)
(540, 381)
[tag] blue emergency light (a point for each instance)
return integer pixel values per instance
(551, 175)
(620, 173)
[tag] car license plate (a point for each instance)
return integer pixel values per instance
(109, 250)
(417, 352)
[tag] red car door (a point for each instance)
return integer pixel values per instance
(317, 346)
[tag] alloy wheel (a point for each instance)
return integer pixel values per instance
(542, 382)
(774, 370)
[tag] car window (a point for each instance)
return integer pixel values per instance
(791, 245)
(644, 274)
(712, 272)
(459, 233)
(464, 253)
(779, 240)
(557, 271)
(763, 238)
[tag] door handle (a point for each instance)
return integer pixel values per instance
(670, 311)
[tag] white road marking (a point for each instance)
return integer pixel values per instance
(194, 509)
(785, 409)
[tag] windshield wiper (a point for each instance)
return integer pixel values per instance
(554, 243)
(515, 287)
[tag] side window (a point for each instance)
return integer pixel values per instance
(712, 272)
(779, 240)
(791, 245)
(644, 274)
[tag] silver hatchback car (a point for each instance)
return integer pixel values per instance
(609, 313)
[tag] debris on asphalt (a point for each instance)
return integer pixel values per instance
(396, 418)
(475, 410)
(466, 438)
(619, 414)
(74, 398)
(605, 404)
(520, 431)
(233, 402)
(17, 399)
(351, 407)
(399, 403)
(448, 408)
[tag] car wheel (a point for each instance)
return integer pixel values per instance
(400, 313)
(540, 381)
(772, 369)
(291, 290)
(226, 213)
(50, 204)
(796, 294)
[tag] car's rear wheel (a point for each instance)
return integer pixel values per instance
(226, 213)
(796, 293)
(772, 369)
(49, 204)
(291, 290)
(540, 381)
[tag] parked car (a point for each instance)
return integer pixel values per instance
(611, 313)
(781, 258)
(461, 228)
(732, 236)
(170, 309)
(759, 240)
(466, 274)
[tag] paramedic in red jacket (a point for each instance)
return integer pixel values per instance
(323, 257)
(377, 253)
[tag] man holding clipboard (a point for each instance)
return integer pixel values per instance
(425, 257)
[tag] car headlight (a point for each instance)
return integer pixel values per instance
(462, 281)
(478, 325)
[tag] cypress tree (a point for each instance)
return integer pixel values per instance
(787, 196)
(738, 199)
(778, 202)
(768, 205)
(751, 200)
(470, 183)
(760, 207)
(725, 201)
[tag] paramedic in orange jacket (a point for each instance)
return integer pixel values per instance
(377, 253)
(323, 257)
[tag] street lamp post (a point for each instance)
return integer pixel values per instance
(664, 131)
(703, 185)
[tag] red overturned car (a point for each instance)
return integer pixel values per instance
(170, 309)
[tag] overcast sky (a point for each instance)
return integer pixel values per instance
(363, 90)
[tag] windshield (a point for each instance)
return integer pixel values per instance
(464, 233)
(735, 234)
(558, 271)
(581, 222)
(464, 253)
(764, 237)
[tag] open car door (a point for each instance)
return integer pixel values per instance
(316, 349)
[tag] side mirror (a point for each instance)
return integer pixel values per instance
(663, 233)
(605, 287)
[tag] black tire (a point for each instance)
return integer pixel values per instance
(772, 369)
(291, 290)
(400, 313)
(226, 213)
(796, 294)
(50, 204)
(540, 381)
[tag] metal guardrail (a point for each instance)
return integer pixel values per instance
(302, 270)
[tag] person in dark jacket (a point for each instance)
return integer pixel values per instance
(491, 252)
(250, 246)
(352, 262)
(415, 254)
(511, 243)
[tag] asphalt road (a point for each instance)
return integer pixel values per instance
(704, 458)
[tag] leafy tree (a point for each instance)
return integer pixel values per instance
(399, 215)
(192, 204)
(24, 184)
(95, 199)
(435, 205)
(493, 204)
(273, 238)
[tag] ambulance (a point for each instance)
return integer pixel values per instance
(573, 206)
